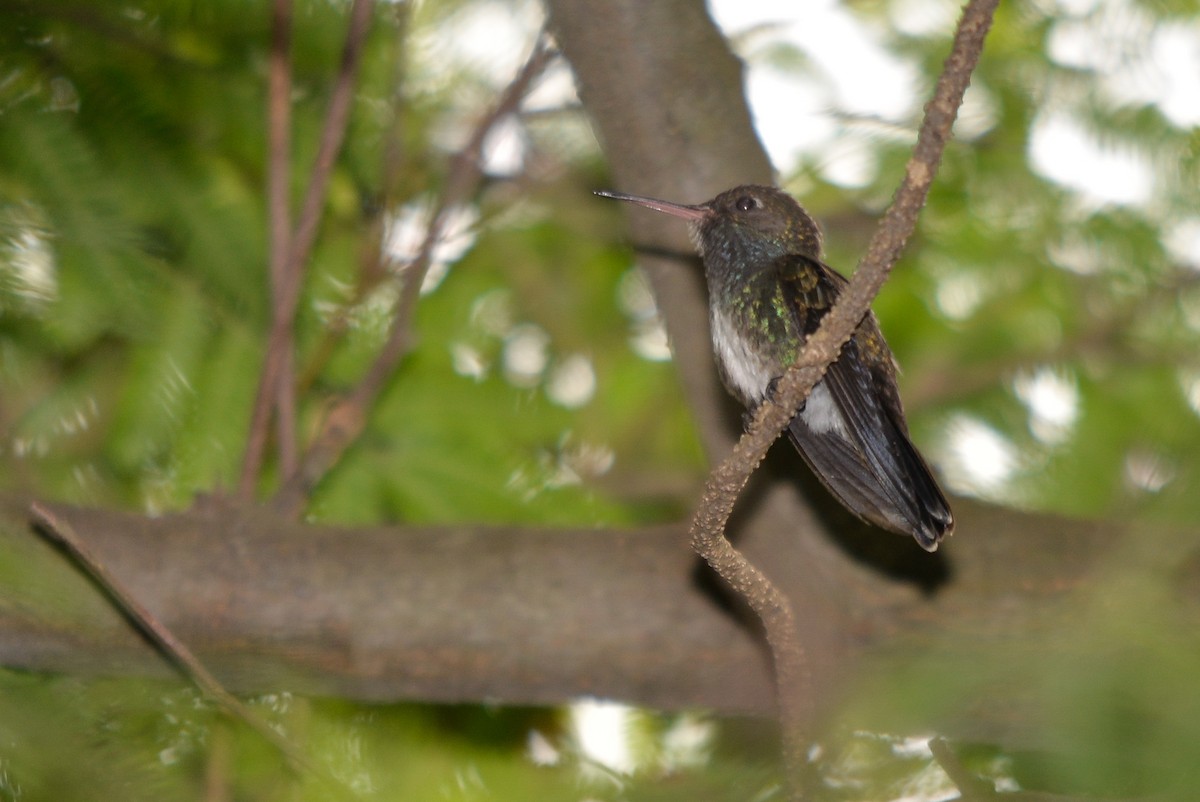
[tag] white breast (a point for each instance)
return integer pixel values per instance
(744, 368)
(748, 373)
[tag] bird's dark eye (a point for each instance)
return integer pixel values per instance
(746, 203)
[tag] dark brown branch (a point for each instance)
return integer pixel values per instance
(279, 345)
(729, 478)
(162, 637)
(346, 421)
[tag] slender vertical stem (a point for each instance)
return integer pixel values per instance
(276, 367)
(346, 420)
(279, 122)
(279, 147)
(332, 134)
(279, 89)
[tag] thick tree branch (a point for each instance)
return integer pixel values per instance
(664, 95)
(447, 614)
(528, 616)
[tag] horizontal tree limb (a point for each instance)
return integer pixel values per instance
(440, 614)
(525, 616)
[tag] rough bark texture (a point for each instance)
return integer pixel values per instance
(447, 614)
(523, 616)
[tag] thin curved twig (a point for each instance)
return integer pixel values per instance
(59, 531)
(726, 482)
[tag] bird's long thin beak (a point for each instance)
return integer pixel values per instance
(674, 209)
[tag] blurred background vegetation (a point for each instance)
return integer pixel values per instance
(1046, 320)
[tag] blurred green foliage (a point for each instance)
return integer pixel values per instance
(134, 306)
(130, 373)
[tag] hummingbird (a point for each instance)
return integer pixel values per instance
(768, 290)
